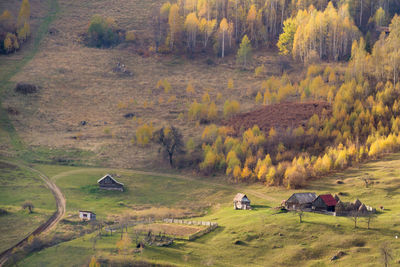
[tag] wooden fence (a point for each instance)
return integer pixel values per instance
(210, 226)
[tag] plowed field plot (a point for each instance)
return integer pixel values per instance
(279, 116)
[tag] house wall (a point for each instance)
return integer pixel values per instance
(87, 216)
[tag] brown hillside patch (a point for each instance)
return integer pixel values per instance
(279, 116)
(82, 102)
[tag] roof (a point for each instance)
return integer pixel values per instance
(328, 199)
(303, 198)
(87, 211)
(239, 197)
(108, 175)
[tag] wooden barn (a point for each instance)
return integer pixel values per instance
(87, 215)
(324, 203)
(109, 183)
(241, 202)
(300, 201)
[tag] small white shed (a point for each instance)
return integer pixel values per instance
(87, 215)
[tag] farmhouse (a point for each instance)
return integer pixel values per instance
(109, 183)
(300, 201)
(87, 215)
(324, 203)
(241, 202)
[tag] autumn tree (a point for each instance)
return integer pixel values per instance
(93, 262)
(223, 28)
(231, 108)
(102, 31)
(171, 142)
(175, 24)
(244, 52)
(124, 244)
(191, 27)
(7, 22)
(24, 14)
(207, 28)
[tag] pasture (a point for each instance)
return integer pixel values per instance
(17, 186)
(66, 69)
(266, 236)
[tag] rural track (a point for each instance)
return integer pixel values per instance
(50, 223)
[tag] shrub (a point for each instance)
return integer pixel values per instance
(25, 88)
(144, 134)
(102, 32)
(231, 108)
(130, 36)
(260, 71)
(28, 205)
(3, 212)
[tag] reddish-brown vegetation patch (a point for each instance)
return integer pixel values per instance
(279, 116)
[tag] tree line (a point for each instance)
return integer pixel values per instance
(364, 122)
(327, 30)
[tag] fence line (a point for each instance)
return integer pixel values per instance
(179, 221)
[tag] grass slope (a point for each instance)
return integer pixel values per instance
(18, 186)
(262, 237)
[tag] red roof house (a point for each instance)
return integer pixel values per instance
(324, 203)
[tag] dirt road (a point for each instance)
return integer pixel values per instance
(50, 223)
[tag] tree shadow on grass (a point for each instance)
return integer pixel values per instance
(260, 207)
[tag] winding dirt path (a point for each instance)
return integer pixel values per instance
(50, 223)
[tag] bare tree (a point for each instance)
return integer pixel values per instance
(366, 179)
(386, 253)
(354, 215)
(301, 214)
(170, 140)
(369, 218)
(29, 205)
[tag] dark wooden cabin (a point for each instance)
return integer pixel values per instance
(324, 203)
(109, 183)
(300, 201)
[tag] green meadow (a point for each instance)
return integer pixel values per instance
(17, 186)
(264, 235)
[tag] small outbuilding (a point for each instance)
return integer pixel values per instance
(300, 201)
(109, 183)
(87, 215)
(324, 203)
(241, 202)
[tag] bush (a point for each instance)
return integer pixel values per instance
(25, 88)
(144, 134)
(3, 212)
(231, 108)
(102, 32)
(130, 36)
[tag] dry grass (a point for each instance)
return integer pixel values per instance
(78, 84)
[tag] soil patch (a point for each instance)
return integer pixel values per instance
(279, 116)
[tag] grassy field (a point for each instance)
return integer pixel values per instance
(145, 194)
(18, 186)
(264, 236)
